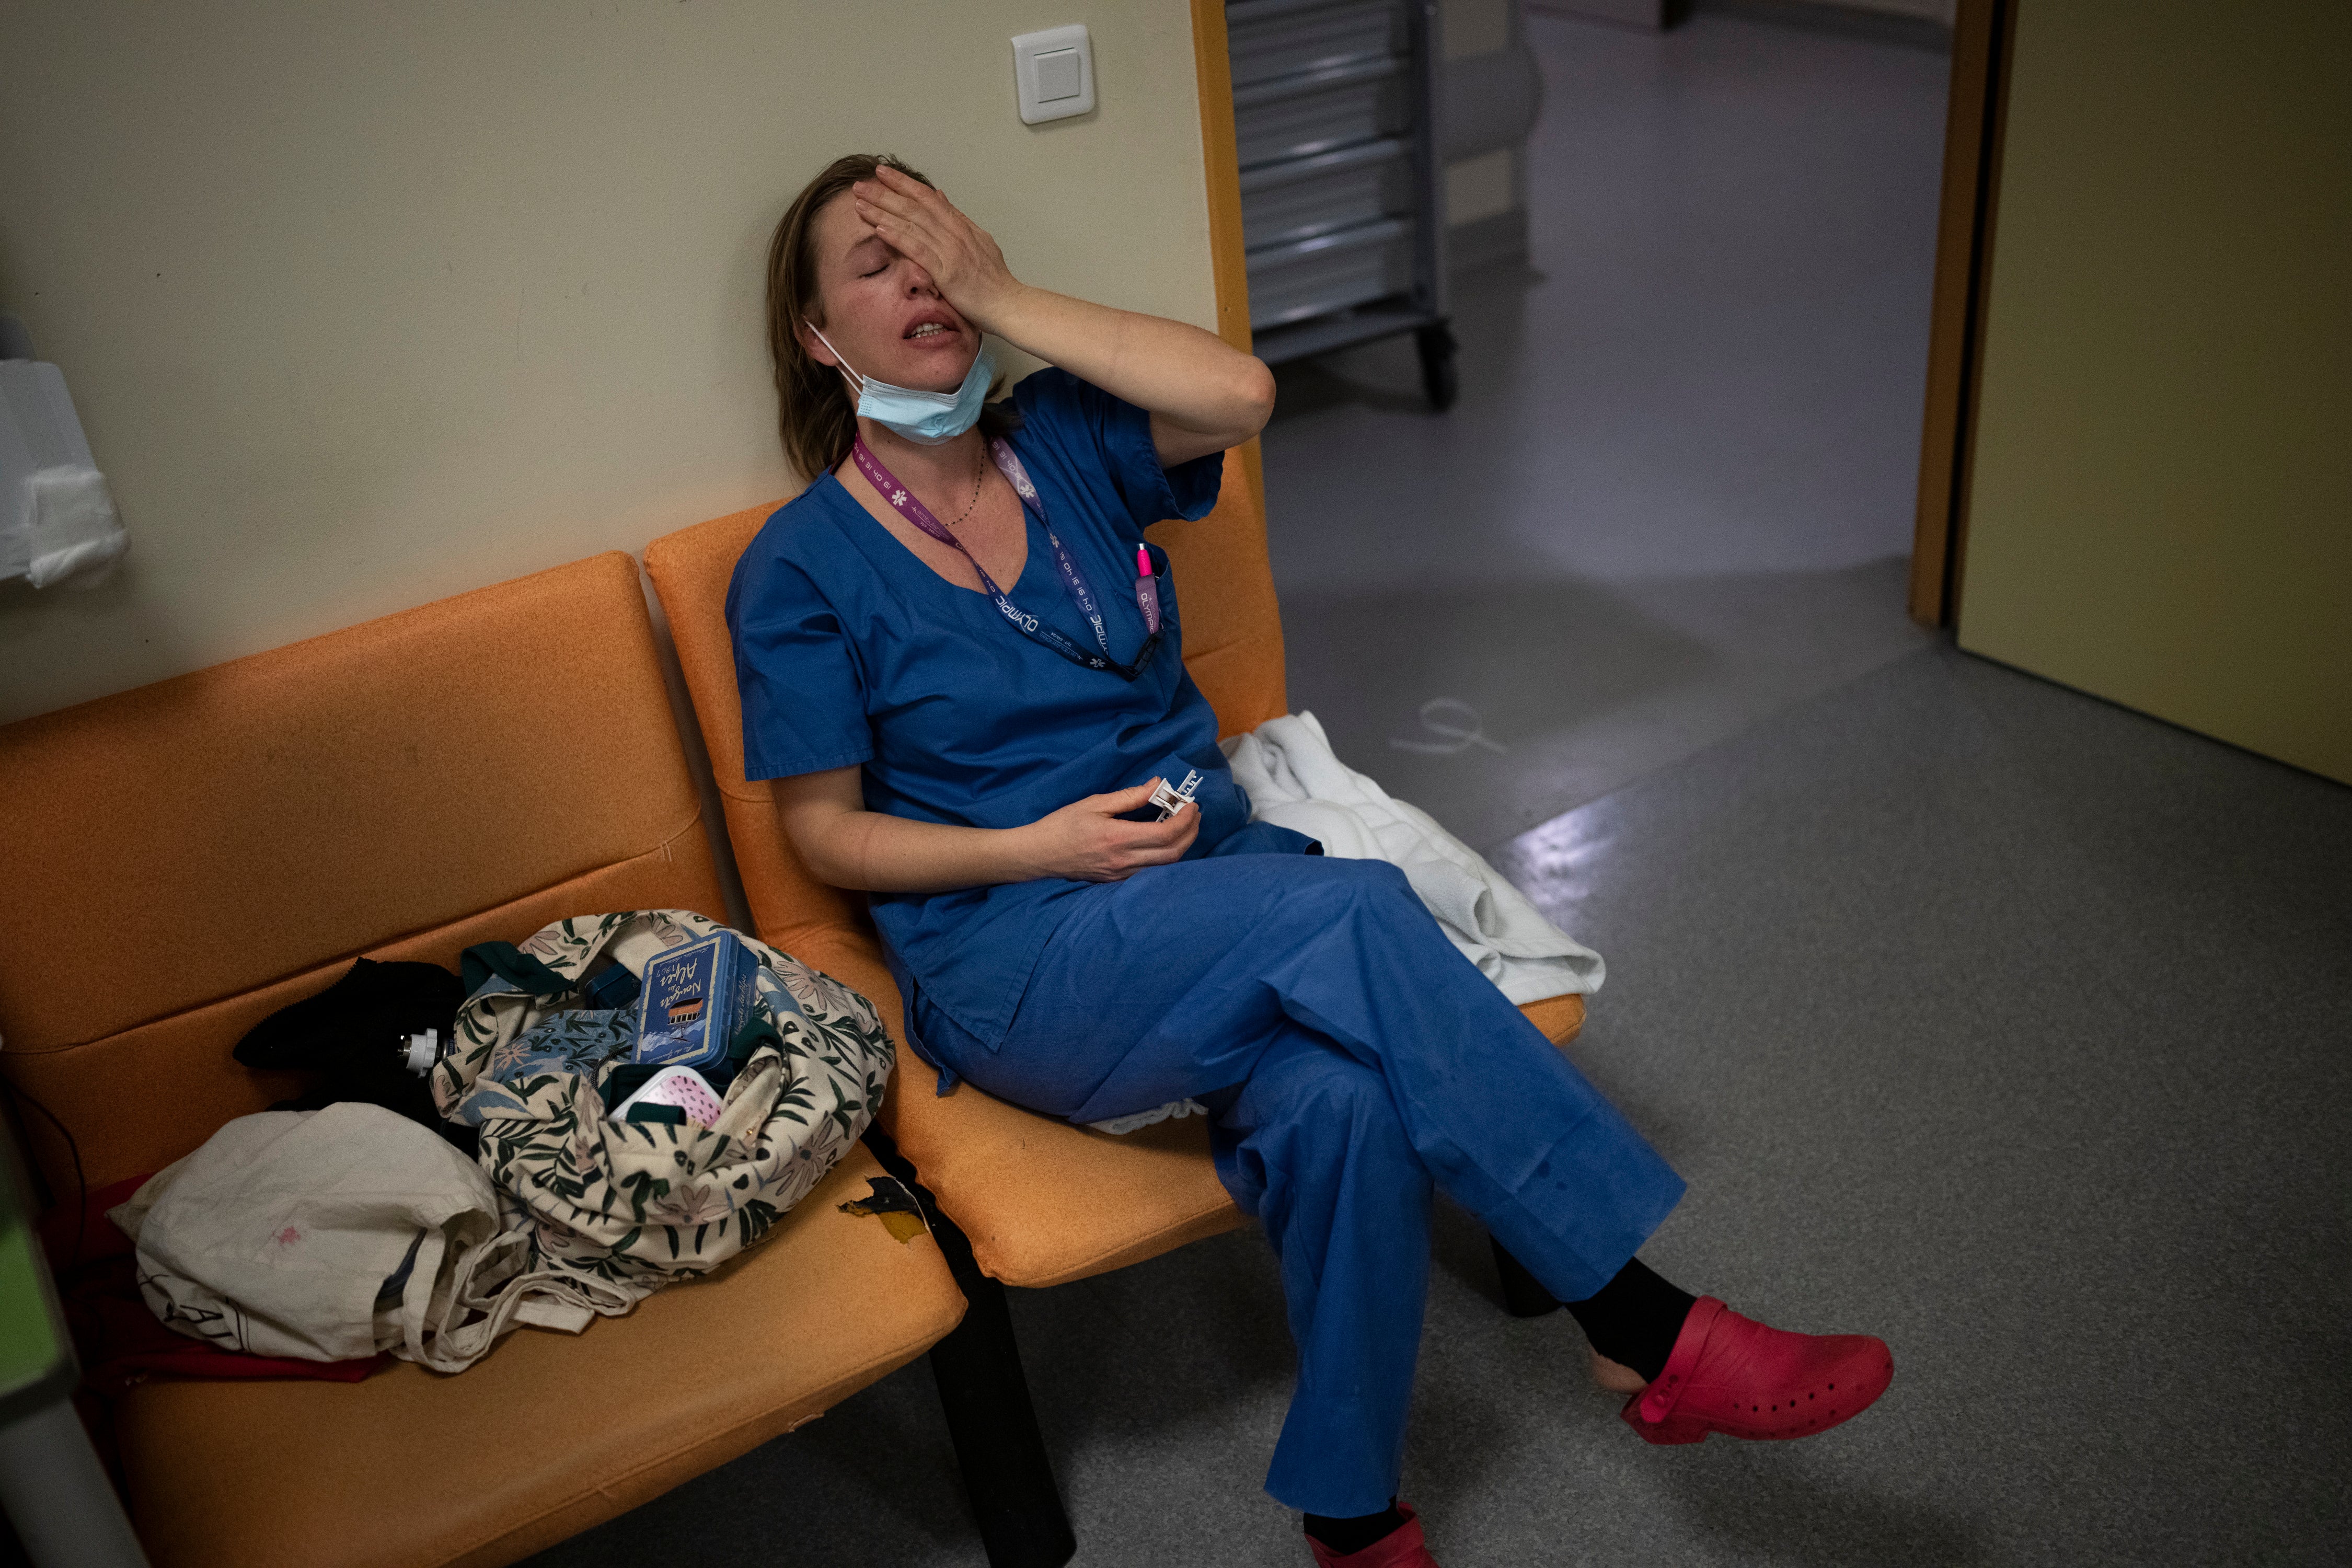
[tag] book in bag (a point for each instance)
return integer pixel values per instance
(695, 998)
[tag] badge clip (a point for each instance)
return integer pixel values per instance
(1168, 801)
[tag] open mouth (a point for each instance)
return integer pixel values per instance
(922, 332)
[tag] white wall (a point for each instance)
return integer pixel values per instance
(1488, 183)
(1473, 28)
(366, 305)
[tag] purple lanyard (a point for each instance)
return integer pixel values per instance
(1147, 588)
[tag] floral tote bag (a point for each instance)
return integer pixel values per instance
(617, 1209)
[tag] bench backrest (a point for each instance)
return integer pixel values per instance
(181, 860)
(1233, 647)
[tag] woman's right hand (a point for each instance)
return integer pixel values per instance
(919, 222)
(1086, 842)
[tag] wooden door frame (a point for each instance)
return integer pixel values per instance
(1973, 120)
(1220, 162)
(1974, 114)
(1221, 166)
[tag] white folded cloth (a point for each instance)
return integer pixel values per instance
(1293, 779)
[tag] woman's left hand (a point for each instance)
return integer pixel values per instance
(922, 225)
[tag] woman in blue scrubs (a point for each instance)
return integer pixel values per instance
(961, 661)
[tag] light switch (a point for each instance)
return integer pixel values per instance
(1054, 72)
(1057, 76)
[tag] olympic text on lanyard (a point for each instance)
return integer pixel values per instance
(915, 511)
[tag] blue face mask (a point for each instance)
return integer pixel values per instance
(926, 419)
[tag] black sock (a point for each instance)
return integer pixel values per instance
(1634, 1318)
(1346, 1536)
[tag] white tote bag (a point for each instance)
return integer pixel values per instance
(333, 1235)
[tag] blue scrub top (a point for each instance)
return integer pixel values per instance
(849, 648)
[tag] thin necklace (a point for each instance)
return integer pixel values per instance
(977, 479)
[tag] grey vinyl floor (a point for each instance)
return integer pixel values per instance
(1676, 493)
(1980, 1015)
(2006, 1025)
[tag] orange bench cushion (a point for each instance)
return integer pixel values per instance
(1043, 1202)
(206, 850)
(196, 854)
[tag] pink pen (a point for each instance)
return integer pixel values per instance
(1147, 589)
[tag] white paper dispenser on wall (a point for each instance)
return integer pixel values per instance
(58, 521)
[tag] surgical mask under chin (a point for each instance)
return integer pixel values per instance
(926, 419)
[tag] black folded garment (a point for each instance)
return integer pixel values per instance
(354, 1036)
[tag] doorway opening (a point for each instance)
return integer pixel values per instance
(1676, 491)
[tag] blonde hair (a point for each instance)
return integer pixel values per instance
(816, 418)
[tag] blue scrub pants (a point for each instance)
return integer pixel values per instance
(1354, 1058)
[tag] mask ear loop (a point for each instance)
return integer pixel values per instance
(856, 381)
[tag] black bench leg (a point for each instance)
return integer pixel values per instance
(985, 1396)
(1523, 1295)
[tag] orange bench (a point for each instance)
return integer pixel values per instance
(182, 859)
(1012, 1180)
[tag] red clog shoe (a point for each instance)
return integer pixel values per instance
(1400, 1548)
(1745, 1379)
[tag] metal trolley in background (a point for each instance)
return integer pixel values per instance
(1334, 107)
